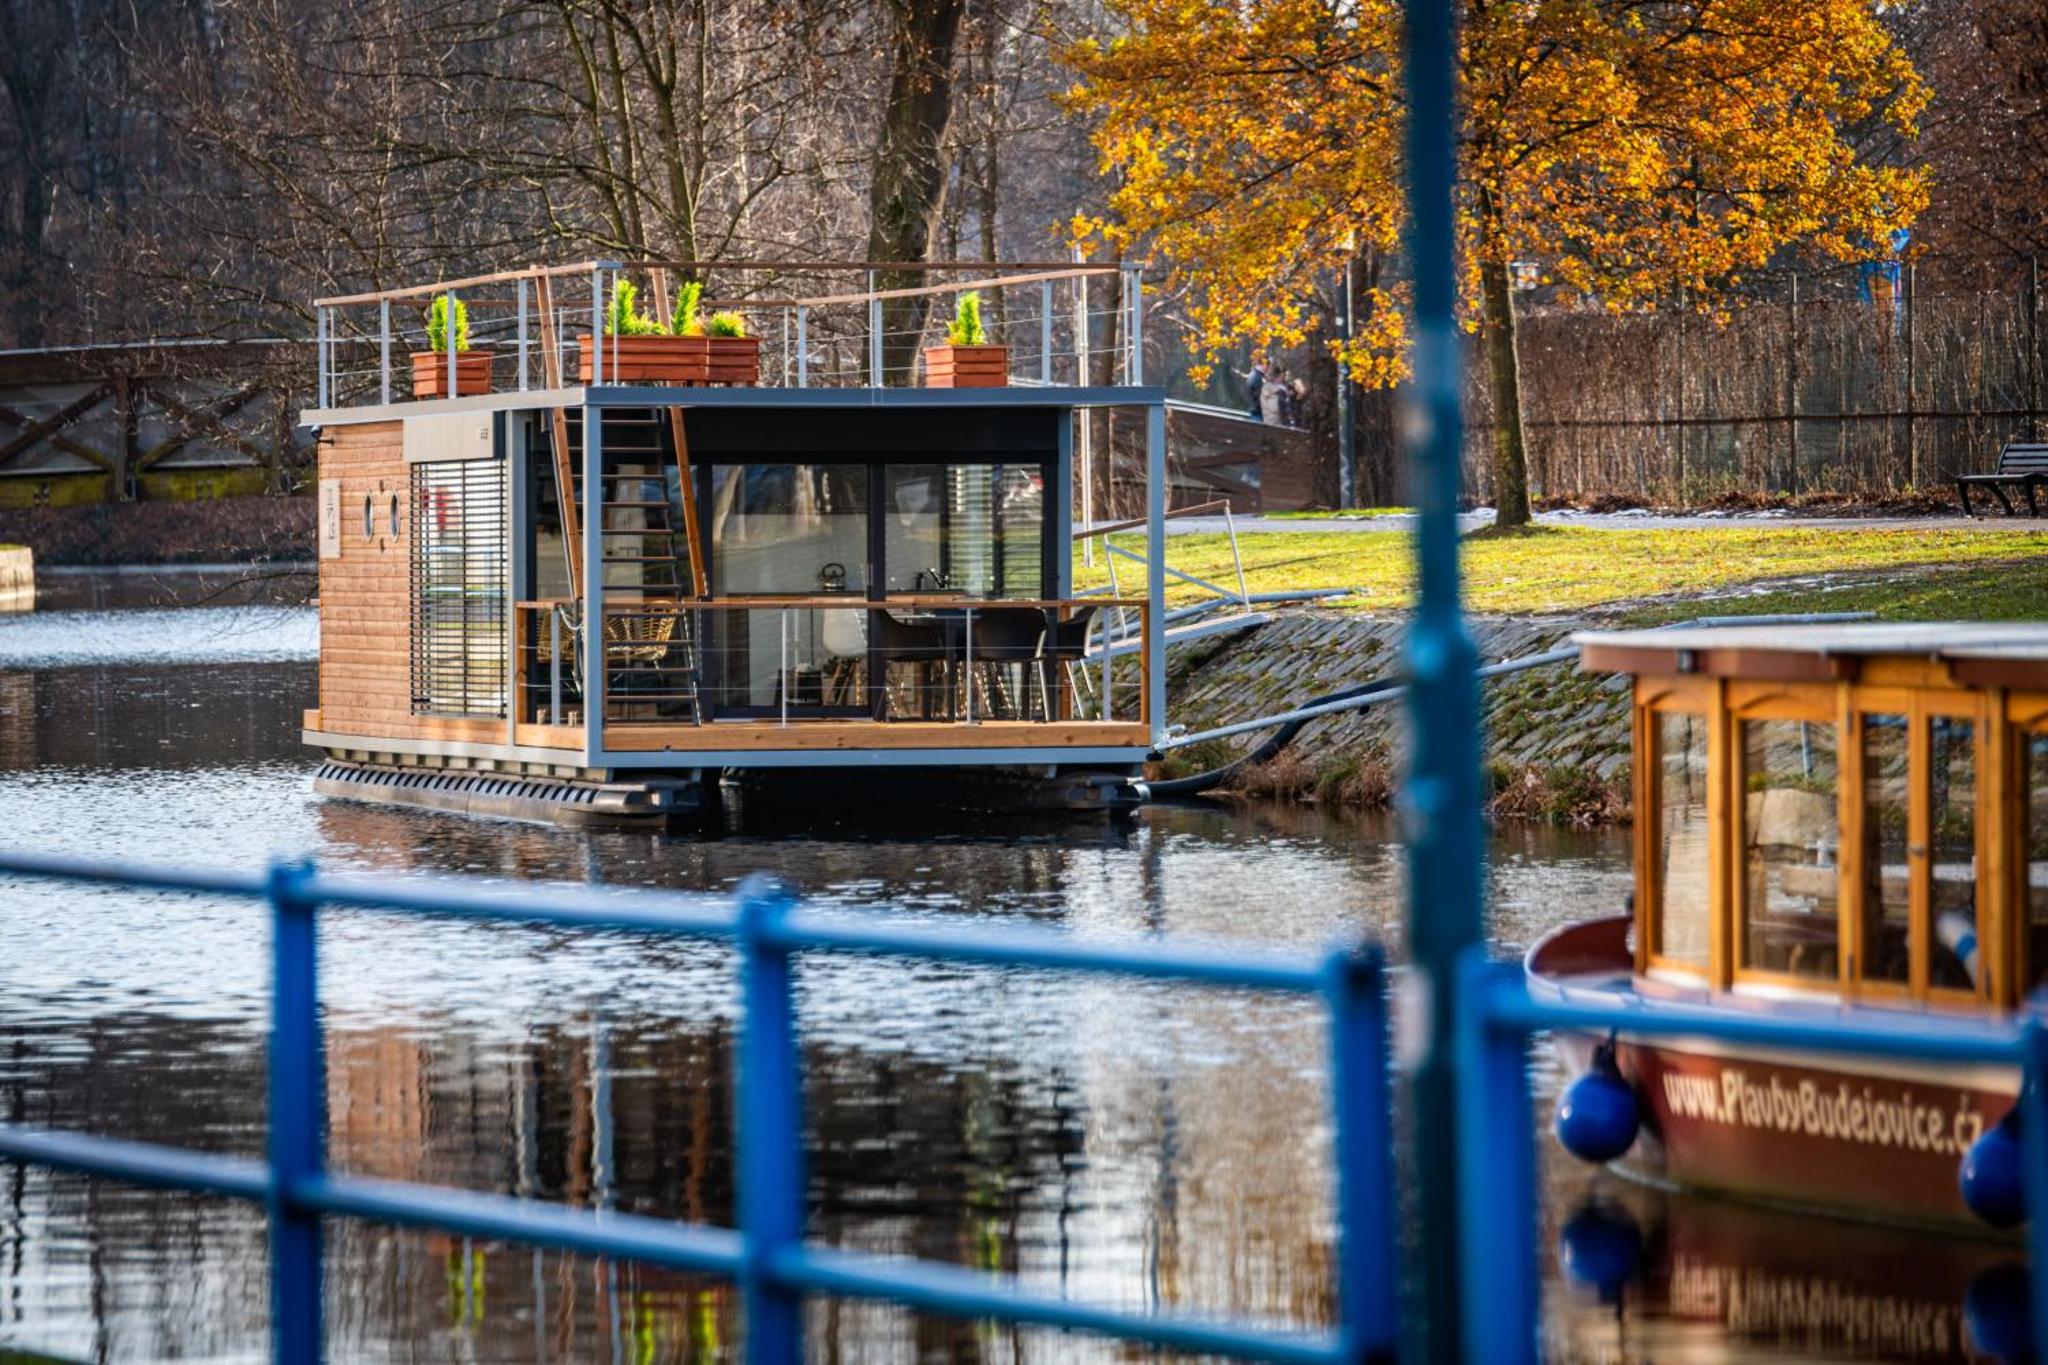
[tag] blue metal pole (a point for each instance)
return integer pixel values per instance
(770, 1125)
(1441, 796)
(1497, 1172)
(298, 1120)
(1362, 1111)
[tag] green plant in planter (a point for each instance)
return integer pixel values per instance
(966, 328)
(437, 324)
(685, 322)
(726, 324)
(625, 318)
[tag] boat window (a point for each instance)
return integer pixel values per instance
(369, 517)
(394, 515)
(1790, 873)
(2034, 756)
(1683, 912)
(1952, 807)
(1886, 952)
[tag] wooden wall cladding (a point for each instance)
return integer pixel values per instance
(365, 683)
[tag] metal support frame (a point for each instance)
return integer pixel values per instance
(1045, 332)
(321, 384)
(451, 334)
(593, 584)
(524, 344)
(1155, 569)
(596, 325)
(384, 350)
(875, 376)
(1134, 294)
(803, 348)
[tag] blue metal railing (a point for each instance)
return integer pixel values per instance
(766, 1253)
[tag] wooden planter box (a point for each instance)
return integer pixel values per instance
(649, 360)
(966, 367)
(430, 373)
(735, 360)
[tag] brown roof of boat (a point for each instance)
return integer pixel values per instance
(2011, 654)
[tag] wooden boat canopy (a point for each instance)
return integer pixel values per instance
(1854, 811)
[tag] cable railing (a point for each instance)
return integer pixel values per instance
(767, 1253)
(807, 325)
(923, 659)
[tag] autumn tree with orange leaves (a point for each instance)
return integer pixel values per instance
(1640, 150)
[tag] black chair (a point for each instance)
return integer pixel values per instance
(1066, 643)
(1003, 636)
(897, 641)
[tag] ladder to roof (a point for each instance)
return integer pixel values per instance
(652, 657)
(652, 663)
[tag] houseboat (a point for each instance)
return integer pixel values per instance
(1850, 820)
(591, 566)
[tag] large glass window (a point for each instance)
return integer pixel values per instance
(786, 530)
(1790, 835)
(789, 529)
(1952, 817)
(973, 529)
(458, 587)
(1682, 850)
(1887, 876)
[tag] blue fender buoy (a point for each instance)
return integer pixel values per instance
(1601, 1248)
(1990, 1174)
(1597, 1116)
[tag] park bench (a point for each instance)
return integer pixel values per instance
(2022, 465)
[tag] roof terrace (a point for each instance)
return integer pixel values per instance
(1073, 326)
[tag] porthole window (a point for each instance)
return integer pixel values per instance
(394, 516)
(369, 517)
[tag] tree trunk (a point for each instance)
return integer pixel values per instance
(908, 186)
(1510, 451)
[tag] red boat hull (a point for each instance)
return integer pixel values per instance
(1867, 1136)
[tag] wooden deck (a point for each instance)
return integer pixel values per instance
(814, 735)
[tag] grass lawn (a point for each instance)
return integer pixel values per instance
(1976, 574)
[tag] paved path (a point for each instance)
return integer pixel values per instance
(1622, 521)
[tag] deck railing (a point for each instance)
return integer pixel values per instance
(818, 324)
(767, 1254)
(923, 659)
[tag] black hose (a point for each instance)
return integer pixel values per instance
(1272, 745)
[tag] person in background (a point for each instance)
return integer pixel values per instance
(1297, 399)
(1273, 397)
(1254, 385)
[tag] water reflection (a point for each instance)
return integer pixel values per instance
(1137, 1145)
(1650, 1275)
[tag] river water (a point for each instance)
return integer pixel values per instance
(1143, 1146)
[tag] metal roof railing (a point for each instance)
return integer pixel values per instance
(814, 330)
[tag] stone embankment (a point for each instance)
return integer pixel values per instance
(1557, 740)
